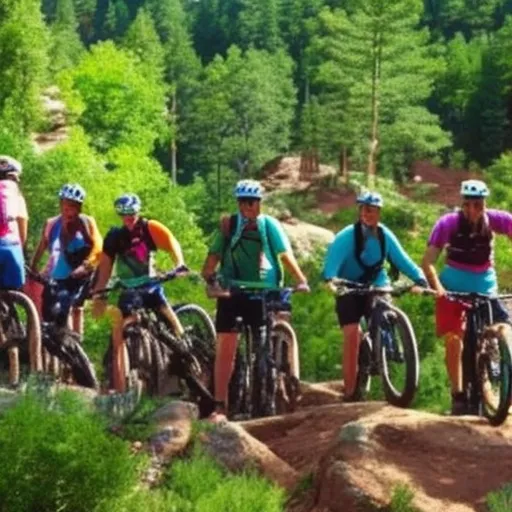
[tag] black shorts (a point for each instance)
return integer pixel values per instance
(49, 297)
(250, 310)
(351, 308)
(150, 298)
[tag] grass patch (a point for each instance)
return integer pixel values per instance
(500, 500)
(401, 499)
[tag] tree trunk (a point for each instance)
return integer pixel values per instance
(174, 166)
(374, 141)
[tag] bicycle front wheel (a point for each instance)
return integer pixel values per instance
(399, 357)
(494, 366)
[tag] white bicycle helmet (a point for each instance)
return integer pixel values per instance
(9, 165)
(474, 188)
(128, 204)
(371, 199)
(248, 189)
(72, 192)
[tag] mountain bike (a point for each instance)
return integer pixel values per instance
(265, 376)
(20, 333)
(388, 345)
(486, 358)
(153, 352)
(63, 347)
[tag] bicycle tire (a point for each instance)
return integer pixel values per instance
(288, 385)
(496, 342)
(364, 365)
(399, 397)
(32, 330)
(261, 380)
(71, 352)
(157, 366)
(240, 384)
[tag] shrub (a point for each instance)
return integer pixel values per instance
(56, 455)
(501, 500)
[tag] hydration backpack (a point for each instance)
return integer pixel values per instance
(228, 227)
(371, 271)
(8, 193)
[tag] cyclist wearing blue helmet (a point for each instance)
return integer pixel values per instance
(249, 247)
(358, 253)
(132, 247)
(73, 242)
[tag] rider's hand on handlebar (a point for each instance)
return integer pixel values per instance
(303, 287)
(331, 287)
(79, 272)
(182, 270)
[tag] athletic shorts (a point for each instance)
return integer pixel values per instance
(250, 310)
(351, 308)
(451, 315)
(12, 266)
(150, 298)
(72, 286)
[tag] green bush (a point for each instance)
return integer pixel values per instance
(401, 499)
(501, 500)
(56, 455)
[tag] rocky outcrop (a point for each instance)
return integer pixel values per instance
(305, 237)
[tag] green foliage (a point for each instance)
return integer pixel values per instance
(242, 113)
(401, 499)
(501, 500)
(119, 106)
(54, 453)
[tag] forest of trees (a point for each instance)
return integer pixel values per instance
(217, 87)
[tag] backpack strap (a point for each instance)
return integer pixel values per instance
(370, 272)
(274, 255)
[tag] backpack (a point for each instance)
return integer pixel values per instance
(75, 258)
(371, 271)
(228, 227)
(6, 195)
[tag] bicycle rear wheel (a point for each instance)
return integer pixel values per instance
(288, 385)
(399, 357)
(364, 365)
(240, 384)
(23, 332)
(494, 367)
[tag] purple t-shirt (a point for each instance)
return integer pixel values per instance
(499, 221)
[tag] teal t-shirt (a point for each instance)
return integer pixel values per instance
(248, 257)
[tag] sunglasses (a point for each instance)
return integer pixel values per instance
(248, 201)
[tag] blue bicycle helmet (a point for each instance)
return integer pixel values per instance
(370, 199)
(474, 188)
(72, 192)
(128, 204)
(248, 189)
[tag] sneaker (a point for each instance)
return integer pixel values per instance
(459, 405)
(356, 396)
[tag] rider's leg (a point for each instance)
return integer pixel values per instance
(118, 344)
(173, 319)
(351, 342)
(224, 364)
(453, 359)
(77, 321)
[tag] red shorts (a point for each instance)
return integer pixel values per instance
(450, 316)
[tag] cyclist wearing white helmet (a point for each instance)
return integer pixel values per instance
(358, 253)
(249, 246)
(13, 224)
(467, 235)
(73, 242)
(131, 247)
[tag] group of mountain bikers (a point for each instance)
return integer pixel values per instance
(252, 247)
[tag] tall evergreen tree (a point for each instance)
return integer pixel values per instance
(377, 73)
(258, 25)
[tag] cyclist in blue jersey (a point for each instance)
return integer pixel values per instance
(358, 253)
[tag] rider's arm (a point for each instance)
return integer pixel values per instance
(500, 222)
(97, 242)
(337, 253)
(104, 272)
(214, 255)
(401, 259)
(428, 264)
(41, 247)
(166, 241)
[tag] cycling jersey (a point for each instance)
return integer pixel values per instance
(15, 207)
(133, 250)
(472, 272)
(69, 249)
(252, 252)
(341, 261)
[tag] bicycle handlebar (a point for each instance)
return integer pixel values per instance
(152, 281)
(346, 287)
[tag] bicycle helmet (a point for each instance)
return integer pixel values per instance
(128, 204)
(370, 199)
(474, 188)
(248, 189)
(9, 165)
(72, 192)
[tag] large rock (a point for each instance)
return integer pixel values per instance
(237, 451)
(306, 237)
